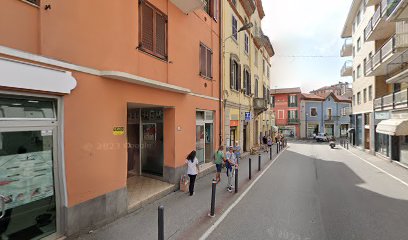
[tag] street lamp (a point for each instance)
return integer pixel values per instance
(307, 114)
(246, 26)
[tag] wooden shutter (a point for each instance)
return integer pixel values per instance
(239, 78)
(146, 26)
(288, 100)
(161, 29)
(249, 84)
(203, 71)
(296, 114)
(232, 79)
(209, 63)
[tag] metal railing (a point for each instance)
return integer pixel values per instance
(293, 120)
(392, 5)
(386, 50)
(346, 49)
(376, 18)
(393, 100)
(347, 68)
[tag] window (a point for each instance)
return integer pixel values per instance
(247, 82)
(292, 101)
(354, 75)
(256, 57)
(265, 94)
(256, 87)
(365, 95)
(234, 2)
(273, 101)
(358, 44)
(358, 71)
(292, 114)
(370, 93)
(267, 71)
(36, 2)
(313, 112)
(359, 98)
(235, 75)
(246, 43)
(153, 30)
(263, 66)
(354, 51)
(358, 17)
(234, 28)
(211, 8)
(205, 61)
(354, 100)
(281, 114)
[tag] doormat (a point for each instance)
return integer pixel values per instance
(26, 234)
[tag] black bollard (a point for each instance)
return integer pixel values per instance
(270, 153)
(259, 162)
(277, 147)
(250, 168)
(236, 179)
(161, 223)
(214, 185)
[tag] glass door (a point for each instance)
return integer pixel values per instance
(209, 142)
(200, 143)
(27, 186)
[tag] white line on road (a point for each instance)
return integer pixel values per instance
(380, 169)
(224, 215)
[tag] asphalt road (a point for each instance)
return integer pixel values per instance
(314, 192)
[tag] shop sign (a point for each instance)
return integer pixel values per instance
(234, 123)
(118, 131)
(382, 115)
(247, 116)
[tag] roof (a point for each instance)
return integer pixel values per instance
(260, 9)
(285, 90)
(338, 98)
(347, 29)
(309, 96)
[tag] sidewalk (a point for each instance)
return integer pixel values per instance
(386, 165)
(185, 217)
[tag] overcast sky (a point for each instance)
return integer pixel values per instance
(305, 28)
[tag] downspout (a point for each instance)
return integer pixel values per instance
(221, 66)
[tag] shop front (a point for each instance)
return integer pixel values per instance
(312, 129)
(359, 130)
(204, 136)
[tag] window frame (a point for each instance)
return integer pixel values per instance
(370, 92)
(246, 44)
(310, 112)
(210, 71)
(234, 33)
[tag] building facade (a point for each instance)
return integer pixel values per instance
(340, 89)
(92, 101)
(286, 107)
(330, 115)
(246, 70)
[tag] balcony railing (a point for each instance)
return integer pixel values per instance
(293, 121)
(347, 69)
(391, 101)
(347, 49)
(375, 19)
(331, 118)
(260, 104)
(392, 7)
(188, 6)
(381, 55)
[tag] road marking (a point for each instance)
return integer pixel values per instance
(380, 169)
(224, 215)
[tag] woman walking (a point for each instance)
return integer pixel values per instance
(192, 170)
(219, 159)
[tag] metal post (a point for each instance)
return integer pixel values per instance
(161, 223)
(277, 147)
(270, 153)
(214, 185)
(259, 162)
(236, 179)
(250, 168)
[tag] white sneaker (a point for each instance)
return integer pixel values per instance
(229, 190)
(232, 187)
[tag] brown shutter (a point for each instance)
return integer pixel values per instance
(232, 73)
(209, 63)
(239, 78)
(202, 60)
(160, 34)
(249, 84)
(147, 27)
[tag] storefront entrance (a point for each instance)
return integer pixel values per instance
(29, 186)
(329, 129)
(312, 128)
(204, 136)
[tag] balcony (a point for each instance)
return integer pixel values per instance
(187, 6)
(397, 100)
(379, 64)
(293, 121)
(378, 27)
(347, 69)
(347, 49)
(397, 10)
(331, 118)
(372, 2)
(260, 105)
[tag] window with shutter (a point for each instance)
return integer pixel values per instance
(232, 74)
(209, 63)
(205, 61)
(239, 77)
(234, 28)
(153, 30)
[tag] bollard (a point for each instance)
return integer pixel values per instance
(161, 223)
(236, 179)
(214, 185)
(347, 145)
(259, 162)
(270, 153)
(250, 168)
(277, 147)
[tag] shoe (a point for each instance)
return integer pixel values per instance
(229, 190)
(232, 187)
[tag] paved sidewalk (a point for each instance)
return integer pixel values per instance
(185, 217)
(386, 165)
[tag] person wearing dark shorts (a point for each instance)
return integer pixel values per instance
(219, 159)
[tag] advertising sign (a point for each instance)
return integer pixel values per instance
(247, 116)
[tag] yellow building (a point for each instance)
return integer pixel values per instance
(246, 74)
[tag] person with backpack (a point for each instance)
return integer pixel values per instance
(230, 164)
(192, 170)
(219, 160)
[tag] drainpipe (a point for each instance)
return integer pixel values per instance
(221, 67)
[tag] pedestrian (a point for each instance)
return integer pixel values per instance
(192, 170)
(230, 164)
(237, 151)
(269, 143)
(219, 159)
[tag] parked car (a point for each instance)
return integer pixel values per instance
(322, 137)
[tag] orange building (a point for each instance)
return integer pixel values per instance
(93, 93)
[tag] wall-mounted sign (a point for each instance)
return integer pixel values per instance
(382, 115)
(234, 123)
(118, 131)
(247, 116)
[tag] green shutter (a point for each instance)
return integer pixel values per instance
(288, 100)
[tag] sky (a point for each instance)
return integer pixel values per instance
(305, 28)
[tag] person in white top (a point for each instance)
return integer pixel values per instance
(192, 170)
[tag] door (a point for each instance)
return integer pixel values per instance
(245, 138)
(208, 142)
(200, 143)
(27, 184)
(232, 137)
(133, 149)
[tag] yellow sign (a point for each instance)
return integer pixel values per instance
(118, 131)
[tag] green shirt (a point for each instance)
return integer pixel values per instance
(219, 157)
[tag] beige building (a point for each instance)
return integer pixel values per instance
(246, 73)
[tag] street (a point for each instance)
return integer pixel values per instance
(314, 192)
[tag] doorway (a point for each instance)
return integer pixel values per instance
(204, 136)
(244, 138)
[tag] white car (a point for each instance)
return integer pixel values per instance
(322, 137)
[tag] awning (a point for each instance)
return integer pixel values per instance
(393, 127)
(16, 74)
(351, 130)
